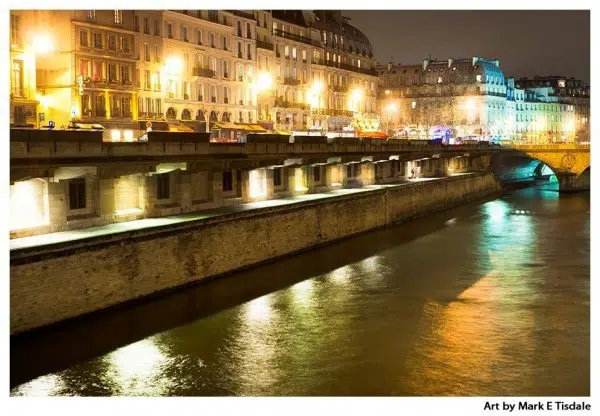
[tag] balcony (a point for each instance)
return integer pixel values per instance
(331, 112)
(204, 72)
(366, 71)
(338, 88)
(264, 45)
(297, 38)
(291, 81)
(279, 102)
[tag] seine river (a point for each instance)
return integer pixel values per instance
(491, 298)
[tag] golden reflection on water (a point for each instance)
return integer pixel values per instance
(48, 385)
(454, 355)
(136, 369)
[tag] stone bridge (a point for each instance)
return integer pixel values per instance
(569, 162)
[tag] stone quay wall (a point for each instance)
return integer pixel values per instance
(54, 283)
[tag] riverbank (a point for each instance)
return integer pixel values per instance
(65, 279)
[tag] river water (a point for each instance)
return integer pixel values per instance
(491, 298)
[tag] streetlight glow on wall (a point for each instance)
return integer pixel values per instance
(173, 65)
(42, 43)
(264, 81)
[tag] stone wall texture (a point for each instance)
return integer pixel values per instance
(51, 285)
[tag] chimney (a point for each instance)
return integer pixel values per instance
(450, 61)
(425, 64)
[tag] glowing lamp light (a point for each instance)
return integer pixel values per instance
(128, 135)
(470, 105)
(173, 65)
(392, 108)
(317, 87)
(264, 81)
(42, 44)
(357, 94)
(45, 100)
(115, 135)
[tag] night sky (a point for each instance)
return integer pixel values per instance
(527, 42)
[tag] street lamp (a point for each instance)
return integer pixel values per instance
(264, 81)
(356, 96)
(42, 43)
(173, 65)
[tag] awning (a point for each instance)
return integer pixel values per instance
(244, 127)
(257, 127)
(224, 125)
(283, 132)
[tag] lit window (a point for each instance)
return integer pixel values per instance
(118, 17)
(478, 77)
(439, 80)
(413, 104)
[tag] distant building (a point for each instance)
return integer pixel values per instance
(468, 99)
(568, 91)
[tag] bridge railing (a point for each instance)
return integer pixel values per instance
(549, 147)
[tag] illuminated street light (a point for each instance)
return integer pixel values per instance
(264, 81)
(173, 65)
(42, 43)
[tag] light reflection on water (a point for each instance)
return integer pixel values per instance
(493, 302)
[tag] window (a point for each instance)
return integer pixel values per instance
(83, 38)
(136, 23)
(146, 52)
(349, 171)
(147, 79)
(14, 29)
(98, 40)
(77, 193)
(97, 70)
(112, 72)
(304, 55)
(439, 80)
(146, 26)
(125, 78)
(170, 30)
(118, 17)
(248, 31)
(162, 186)
(199, 37)
(156, 54)
(478, 78)
(249, 52)
(124, 44)
(277, 177)
(158, 107)
(156, 28)
(184, 34)
(112, 42)
(91, 14)
(286, 51)
(227, 181)
(294, 54)
(317, 173)
(84, 68)
(17, 78)
(413, 104)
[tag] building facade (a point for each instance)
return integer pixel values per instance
(469, 99)
(290, 70)
(566, 91)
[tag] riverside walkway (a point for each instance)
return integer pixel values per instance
(38, 241)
